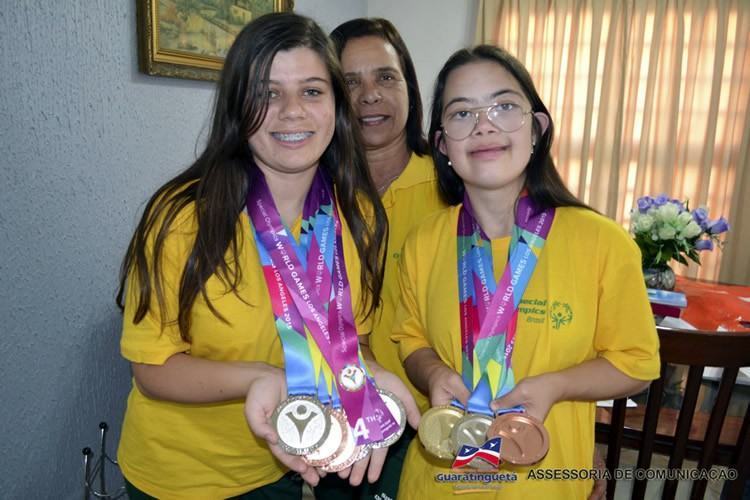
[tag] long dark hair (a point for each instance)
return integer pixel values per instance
(543, 182)
(217, 182)
(361, 27)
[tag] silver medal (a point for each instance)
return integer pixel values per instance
(471, 429)
(301, 423)
(397, 409)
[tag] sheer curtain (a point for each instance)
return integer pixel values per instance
(648, 97)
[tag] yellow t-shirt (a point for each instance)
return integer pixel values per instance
(172, 450)
(586, 299)
(408, 201)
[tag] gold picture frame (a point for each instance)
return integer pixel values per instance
(189, 38)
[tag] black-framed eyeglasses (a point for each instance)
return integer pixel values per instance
(506, 116)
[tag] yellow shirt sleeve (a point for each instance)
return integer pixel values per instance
(409, 326)
(625, 330)
(157, 337)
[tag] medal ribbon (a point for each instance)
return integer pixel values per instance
(302, 357)
(489, 311)
(330, 320)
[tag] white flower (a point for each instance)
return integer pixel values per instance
(691, 230)
(685, 218)
(643, 223)
(667, 232)
(667, 213)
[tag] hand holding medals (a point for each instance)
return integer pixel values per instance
(334, 413)
(488, 316)
(262, 397)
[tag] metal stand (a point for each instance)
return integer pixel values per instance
(96, 473)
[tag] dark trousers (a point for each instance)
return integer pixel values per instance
(289, 487)
(332, 487)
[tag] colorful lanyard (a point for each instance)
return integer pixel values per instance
(489, 311)
(328, 316)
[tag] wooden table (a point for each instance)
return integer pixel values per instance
(711, 306)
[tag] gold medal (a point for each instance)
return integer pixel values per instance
(397, 409)
(301, 423)
(525, 440)
(435, 430)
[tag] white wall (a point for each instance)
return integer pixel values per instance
(432, 30)
(85, 138)
(331, 13)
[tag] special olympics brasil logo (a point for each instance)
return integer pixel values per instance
(561, 314)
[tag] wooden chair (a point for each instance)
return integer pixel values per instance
(688, 439)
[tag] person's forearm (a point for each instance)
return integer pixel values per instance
(595, 380)
(420, 365)
(187, 379)
(364, 347)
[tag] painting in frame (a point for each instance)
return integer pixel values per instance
(190, 38)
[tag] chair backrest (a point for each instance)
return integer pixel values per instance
(696, 349)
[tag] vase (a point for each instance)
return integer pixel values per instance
(661, 278)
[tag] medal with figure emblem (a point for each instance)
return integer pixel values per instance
(302, 424)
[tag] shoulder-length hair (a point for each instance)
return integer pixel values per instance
(217, 182)
(361, 27)
(543, 182)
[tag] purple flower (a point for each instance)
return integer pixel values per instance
(700, 216)
(660, 200)
(718, 226)
(679, 204)
(644, 203)
(704, 245)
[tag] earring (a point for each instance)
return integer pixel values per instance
(450, 163)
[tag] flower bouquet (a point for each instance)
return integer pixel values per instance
(667, 229)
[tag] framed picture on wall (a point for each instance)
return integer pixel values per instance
(190, 38)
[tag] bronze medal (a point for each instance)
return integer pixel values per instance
(525, 440)
(301, 423)
(349, 454)
(435, 430)
(397, 409)
(334, 443)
